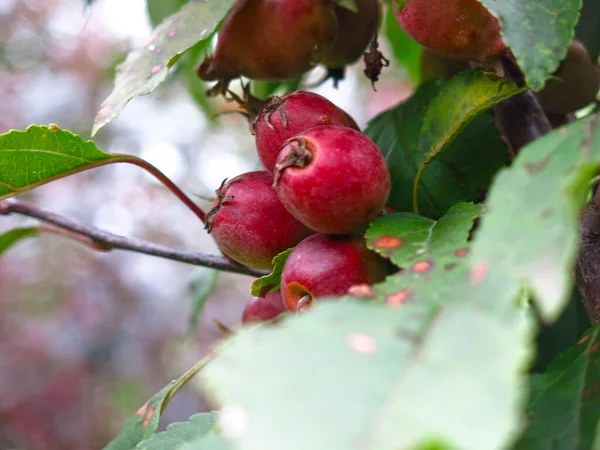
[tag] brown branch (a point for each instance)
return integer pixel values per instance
(105, 241)
(587, 267)
(521, 118)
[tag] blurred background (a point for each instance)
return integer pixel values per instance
(86, 338)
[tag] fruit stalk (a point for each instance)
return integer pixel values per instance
(107, 241)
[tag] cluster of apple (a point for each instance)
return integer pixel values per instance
(324, 182)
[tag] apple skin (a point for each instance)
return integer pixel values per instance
(289, 115)
(271, 39)
(262, 309)
(325, 265)
(252, 227)
(338, 183)
(461, 29)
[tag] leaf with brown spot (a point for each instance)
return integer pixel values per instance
(419, 236)
(144, 423)
(358, 375)
(530, 234)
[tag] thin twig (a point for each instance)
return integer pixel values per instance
(106, 241)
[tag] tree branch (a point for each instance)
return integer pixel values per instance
(587, 267)
(521, 118)
(105, 241)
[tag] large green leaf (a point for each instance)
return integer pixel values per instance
(538, 33)
(42, 154)
(588, 27)
(10, 238)
(530, 233)
(565, 403)
(403, 237)
(146, 68)
(447, 116)
(200, 433)
(357, 375)
(143, 424)
(159, 10)
(463, 173)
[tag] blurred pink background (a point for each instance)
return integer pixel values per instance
(86, 338)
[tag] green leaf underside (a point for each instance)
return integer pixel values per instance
(530, 232)
(358, 375)
(261, 286)
(537, 32)
(42, 154)
(403, 237)
(12, 237)
(201, 288)
(143, 424)
(460, 174)
(352, 5)
(201, 432)
(146, 68)
(565, 404)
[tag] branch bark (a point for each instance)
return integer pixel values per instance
(587, 267)
(521, 118)
(105, 241)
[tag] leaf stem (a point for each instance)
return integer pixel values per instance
(105, 241)
(162, 178)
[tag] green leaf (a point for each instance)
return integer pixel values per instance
(12, 237)
(159, 10)
(201, 432)
(588, 27)
(271, 282)
(264, 89)
(405, 50)
(403, 237)
(538, 33)
(463, 173)
(42, 154)
(457, 103)
(201, 288)
(143, 424)
(352, 5)
(530, 234)
(565, 405)
(358, 375)
(146, 68)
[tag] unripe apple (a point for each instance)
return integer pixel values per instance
(355, 32)
(575, 84)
